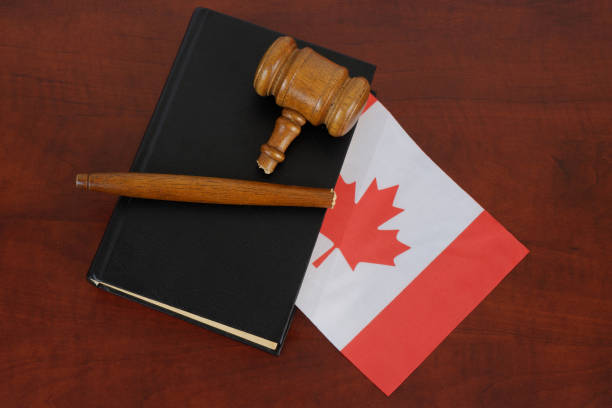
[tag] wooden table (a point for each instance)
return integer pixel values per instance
(512, 100)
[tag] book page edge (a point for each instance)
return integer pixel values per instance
(220, 326)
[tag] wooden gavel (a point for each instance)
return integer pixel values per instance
(310, 88)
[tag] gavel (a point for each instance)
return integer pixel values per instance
(310, 88)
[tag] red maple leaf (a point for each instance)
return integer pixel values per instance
(353, 227)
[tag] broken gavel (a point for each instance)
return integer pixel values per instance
(310, 88)
(210, 190)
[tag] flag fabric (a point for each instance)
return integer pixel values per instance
(402, 258)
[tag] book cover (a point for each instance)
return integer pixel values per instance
(236, 270)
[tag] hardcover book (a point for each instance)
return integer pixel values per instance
(236, 270)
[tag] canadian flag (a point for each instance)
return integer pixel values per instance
(403, 257)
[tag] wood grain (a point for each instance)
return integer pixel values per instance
(512, 99)
(310, 87)
(208, 190)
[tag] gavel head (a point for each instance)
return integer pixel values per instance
(310, 88)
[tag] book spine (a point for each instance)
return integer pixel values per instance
(105, 249)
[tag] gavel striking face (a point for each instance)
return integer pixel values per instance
(310, 88)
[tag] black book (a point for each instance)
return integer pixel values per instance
(234, 269)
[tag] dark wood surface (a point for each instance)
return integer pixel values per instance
(513, 100)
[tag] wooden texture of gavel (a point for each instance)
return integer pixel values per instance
(310, 88)
(212, 190)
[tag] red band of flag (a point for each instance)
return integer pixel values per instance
(432, 305)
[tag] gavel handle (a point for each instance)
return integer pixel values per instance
(205, 189)
(286, 129)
